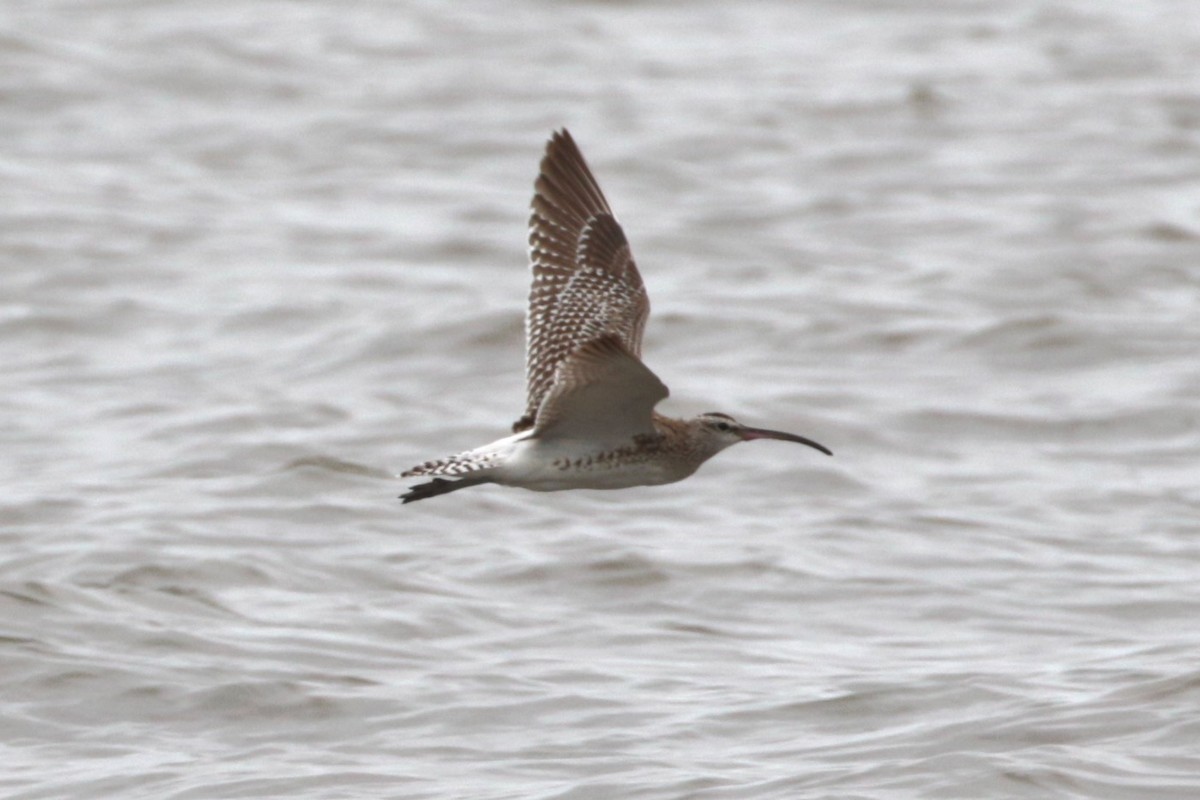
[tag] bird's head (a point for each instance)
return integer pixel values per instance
(718, 431)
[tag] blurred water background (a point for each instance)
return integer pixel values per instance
(258, 257)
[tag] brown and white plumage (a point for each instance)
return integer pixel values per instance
(585, 282)
(589, 418)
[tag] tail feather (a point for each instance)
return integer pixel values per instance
(439, 486)
(455, 465)
(459, 471)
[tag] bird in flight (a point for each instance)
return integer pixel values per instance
(589, 420)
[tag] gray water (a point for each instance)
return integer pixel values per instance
(258, 258)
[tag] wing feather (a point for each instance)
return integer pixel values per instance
(585, 282)
(601, 392)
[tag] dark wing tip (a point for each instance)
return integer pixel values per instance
(565, 183)
(560, 146)
(563, 136)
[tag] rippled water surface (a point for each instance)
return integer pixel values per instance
(257, 258)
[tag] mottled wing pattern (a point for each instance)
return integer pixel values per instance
(601, 392)
(585, 283)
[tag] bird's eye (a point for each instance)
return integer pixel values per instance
(722, 426)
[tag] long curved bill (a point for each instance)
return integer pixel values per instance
(762, 433)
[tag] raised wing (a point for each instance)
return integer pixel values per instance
(585, 283)
(600, 393)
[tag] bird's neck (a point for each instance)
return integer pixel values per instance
(685, 437)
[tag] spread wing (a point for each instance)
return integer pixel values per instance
(601, 392)
(585, 283)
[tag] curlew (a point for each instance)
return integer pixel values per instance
(589, 420)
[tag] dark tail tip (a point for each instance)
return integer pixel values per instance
(438, 486)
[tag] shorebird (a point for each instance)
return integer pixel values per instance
(589, 420)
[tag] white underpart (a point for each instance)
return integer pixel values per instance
(550, 465)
